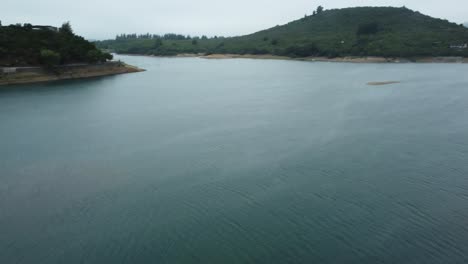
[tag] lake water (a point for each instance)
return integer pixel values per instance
(237, 161)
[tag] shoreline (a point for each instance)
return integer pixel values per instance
(348, 59)
(29, 75)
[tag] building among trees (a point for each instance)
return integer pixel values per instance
(40, 27)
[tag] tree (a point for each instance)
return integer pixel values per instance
(22, 46)
(194, 42)
(3, 52)
(28, 26)
(302, 51)
(319, 9)
(50, 58)
(93, 56)
(66, 28)
(346, 32)
(107, 56)
(368, 29)
(157, 43)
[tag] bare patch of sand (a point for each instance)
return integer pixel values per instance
(349, 59)
(245, 56)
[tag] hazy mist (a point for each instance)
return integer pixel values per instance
(105, 18)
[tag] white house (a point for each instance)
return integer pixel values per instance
(459, 46)
(8, 70)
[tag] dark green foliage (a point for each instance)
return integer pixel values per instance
(157, 43)
(66, 29)
(49, 58)
(105, 56)
(361, 31)
(301, 51)
(94, 56)
(27, 45)
(319, 9)
(28, 26)
(368, 29)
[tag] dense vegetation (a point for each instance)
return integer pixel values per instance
(361, 31)
(27, 45)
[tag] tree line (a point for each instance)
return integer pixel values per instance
(26, 45)
(362, 31)
(168, 36)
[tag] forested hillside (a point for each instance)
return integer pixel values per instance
(28, 45)
(361, 31)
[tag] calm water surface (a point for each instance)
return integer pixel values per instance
(238, 161)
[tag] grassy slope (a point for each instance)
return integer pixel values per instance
(401, 33)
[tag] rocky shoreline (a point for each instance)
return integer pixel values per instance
(23, 75)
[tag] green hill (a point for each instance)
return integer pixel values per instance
(28, 45)
(360, 31)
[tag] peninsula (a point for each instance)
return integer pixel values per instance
(361, 34)
(32, 53)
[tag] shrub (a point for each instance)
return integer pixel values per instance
(302, 51)
(50, 58)
(93, 56)
(368, 29)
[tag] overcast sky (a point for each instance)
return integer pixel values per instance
(101, 19)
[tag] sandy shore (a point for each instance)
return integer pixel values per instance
(344, 59)
(36, 75)
(320, 59)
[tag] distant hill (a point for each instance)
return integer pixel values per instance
(28, 45)
(360, 31)
(465, 24)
